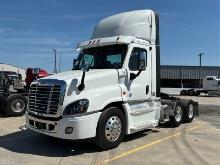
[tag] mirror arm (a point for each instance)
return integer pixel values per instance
(133, 76)
(82, 84)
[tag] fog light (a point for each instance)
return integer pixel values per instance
(69, 130)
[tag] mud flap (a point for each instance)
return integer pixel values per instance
(196, 106)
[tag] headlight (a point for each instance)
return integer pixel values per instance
(79, 106)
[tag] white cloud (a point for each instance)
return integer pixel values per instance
(5, 29)
(10, 19)
(177, 27)
(75, 17)
(168, 15)
(36, 41)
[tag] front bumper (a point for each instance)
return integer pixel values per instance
(83, 127)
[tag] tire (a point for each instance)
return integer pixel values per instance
(112, 119)
(197, 93)
(16, 105)
(181, 93)
(192, 93)
(176, 120)
(2, 104)
(189, 112)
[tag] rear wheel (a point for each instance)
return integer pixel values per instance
(110, 129)
(176, 120)
(192, 93)
(183, 92)
(189, 112)
(16, 105)
(197, 93)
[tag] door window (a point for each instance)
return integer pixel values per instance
(134, 58)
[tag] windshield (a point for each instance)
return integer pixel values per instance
(103, 57)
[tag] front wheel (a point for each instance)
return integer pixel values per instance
(16, 105)
(110, 129)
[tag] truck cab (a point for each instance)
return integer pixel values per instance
(113, 89)
(14, 90)
(211, 84)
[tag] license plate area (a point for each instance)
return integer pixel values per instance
(41, 125)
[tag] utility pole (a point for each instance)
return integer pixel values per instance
(55, 60)
(60, 63)
(200, 68)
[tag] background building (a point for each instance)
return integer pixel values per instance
(8, 67)
(173, 76)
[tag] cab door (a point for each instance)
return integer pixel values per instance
(142, 113)
(139, 81)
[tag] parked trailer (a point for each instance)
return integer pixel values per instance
(211, 86)
(113, 89)
(14, 91)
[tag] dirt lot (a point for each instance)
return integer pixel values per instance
(194, 143)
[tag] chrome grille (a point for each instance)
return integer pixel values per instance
(44, 98)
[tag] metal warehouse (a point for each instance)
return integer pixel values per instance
(186, 76)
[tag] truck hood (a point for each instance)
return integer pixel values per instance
(92, 74)
(101, 87)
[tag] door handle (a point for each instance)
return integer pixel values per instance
(147, 89)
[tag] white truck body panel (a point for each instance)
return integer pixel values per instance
(83, 126)
(139, 23)
(96, 82)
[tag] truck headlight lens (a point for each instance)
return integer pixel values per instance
(79, 106)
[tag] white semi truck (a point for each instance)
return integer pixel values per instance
(113, 89)
(210, 86)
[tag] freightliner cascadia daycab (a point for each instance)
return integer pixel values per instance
(113, 89)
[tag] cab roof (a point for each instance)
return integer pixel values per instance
(112, 40)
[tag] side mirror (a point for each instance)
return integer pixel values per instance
(35, 71)
(142, 60)
(85, 68)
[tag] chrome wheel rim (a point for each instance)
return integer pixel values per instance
(18, 105)
(178, 115)
(191, 111)
(113, 128)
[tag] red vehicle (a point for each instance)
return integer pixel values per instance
(13, 90)
(33, 74)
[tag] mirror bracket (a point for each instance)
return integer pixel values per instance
(134, 76)
(82, 84)
(85, 69)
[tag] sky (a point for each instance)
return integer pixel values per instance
(29, 29)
